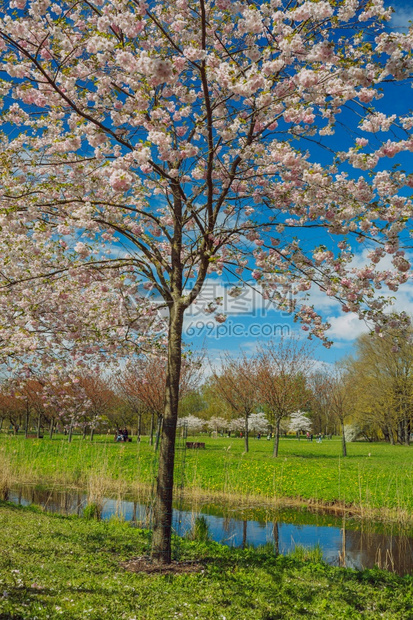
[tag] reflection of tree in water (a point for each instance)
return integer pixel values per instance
(389, 551)
(244, 533)
(359, 548)
(62, 502)
(276, 537)
(226, 524)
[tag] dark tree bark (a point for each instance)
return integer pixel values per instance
(244, 533)
(26, 424)
(343, 438)
(51, 428)
(276, 437)
(158, 432)
(92, 432)
(152, 428)
(276, 535)
(246, 433)
(406, 433)
(39, 419)
(161, 540)
(139, 426)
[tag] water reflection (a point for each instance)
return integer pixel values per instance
(344, 542)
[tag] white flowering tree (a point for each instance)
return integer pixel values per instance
(192, 423)
(237, 425)
(217, 423)
(258, 422)
(190, 132)
(299, 422)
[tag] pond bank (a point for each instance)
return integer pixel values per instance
(375, 481)
(66, 567)
(344, 541)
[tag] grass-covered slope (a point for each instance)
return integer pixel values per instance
(374, 476)
(69, 568)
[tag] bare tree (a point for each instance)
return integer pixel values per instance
(236, 385)
(11, 407)
(143, 383)
(100, 398)
(283, 370)
(340, 398)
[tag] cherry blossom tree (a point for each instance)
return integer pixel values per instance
(179, 132)
(299, 423)
(258, 422)
(216, 423)
(79, 317)
(65, 395)
(237, 425)
(192, 423)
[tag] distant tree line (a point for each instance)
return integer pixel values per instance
(277, 390)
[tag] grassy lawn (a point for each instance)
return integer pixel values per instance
(66, 567)
(373, 476)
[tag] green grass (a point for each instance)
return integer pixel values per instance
(310, 471)
(69, 568)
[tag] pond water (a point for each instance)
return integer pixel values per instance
(345, 542)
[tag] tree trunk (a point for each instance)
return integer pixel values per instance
(51, 428)
(246, 433)
(161, 540)
(399, 433)
(406, 433)
(70, 433)
(152, 429)
(343, 438)
(158, 433)
(139, 426)
(276, 535)
(26, 425)
(39, 419)
(84, 432)
(92, 432)
(1, 423)
(276, 437)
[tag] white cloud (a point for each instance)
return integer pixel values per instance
(346, 327)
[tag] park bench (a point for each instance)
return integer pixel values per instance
(195, 445)
(34, 436)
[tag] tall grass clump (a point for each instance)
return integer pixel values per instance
(6, 476)
(307, 554)
(97, 489)
(200, 530)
